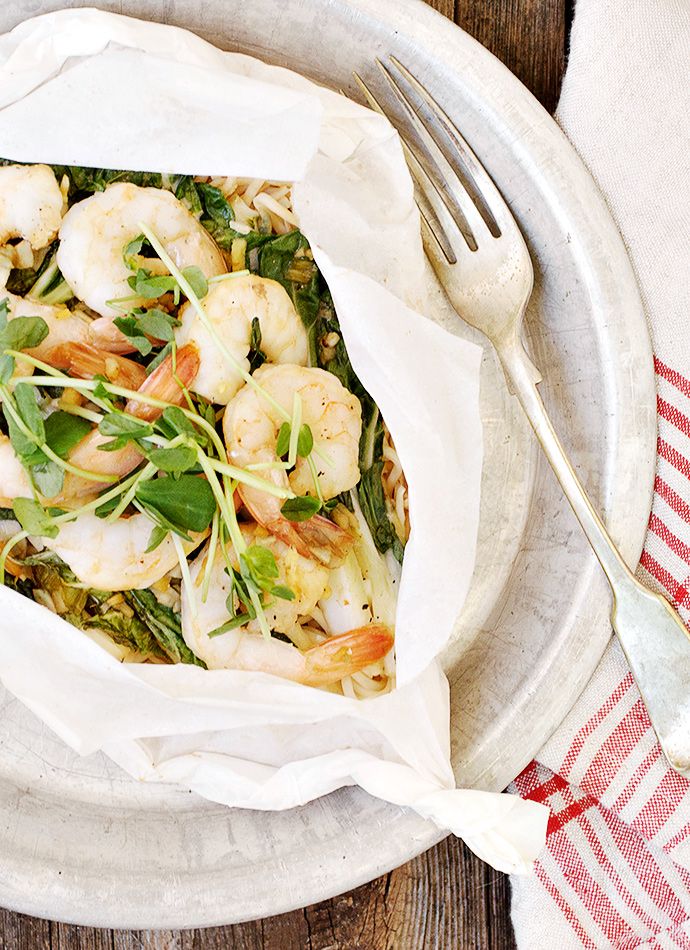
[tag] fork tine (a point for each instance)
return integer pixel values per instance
(435, 251)
(425, 183)
(456, 187)
(481, 179)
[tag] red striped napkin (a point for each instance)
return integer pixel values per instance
(616, 868)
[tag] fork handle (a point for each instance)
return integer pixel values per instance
(653, 636)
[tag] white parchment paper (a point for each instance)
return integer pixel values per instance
(249, 739)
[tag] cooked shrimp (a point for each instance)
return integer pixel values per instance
(321, 665)
(30, 204)
(112, 556)
(88, 455)
(14, 479)
(306, 578)
(95, 231)
(246, 649)
(251, 425)
(231, 305)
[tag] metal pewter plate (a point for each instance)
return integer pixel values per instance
(82, 842)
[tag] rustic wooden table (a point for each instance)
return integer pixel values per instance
(445, 899)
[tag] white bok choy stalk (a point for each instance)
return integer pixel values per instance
(363, 589)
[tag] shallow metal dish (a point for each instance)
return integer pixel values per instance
(82, 842)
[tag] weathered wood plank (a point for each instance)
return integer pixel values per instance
(18, 932)
(527, 35)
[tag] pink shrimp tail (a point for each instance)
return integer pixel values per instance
(346, 654)
(318, 539)
(167, 382)
(86, 361)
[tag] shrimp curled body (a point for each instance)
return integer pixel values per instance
(306, 579)
(30, 204)
(244, 648)
(231, 306)
(95, 231)
(251, 425)
(112, 556)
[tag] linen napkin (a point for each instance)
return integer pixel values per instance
(616, 868)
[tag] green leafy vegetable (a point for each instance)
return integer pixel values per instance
(64, 431)
(196, 280)
(148, 285)
(372, 500)
(129, 325)
(216, 206)
(186, 502)
(164, 624)
(33, 518)
(279, 260)
(88, 180)
(156, 538)
(301, 508)
(123, 428)
(22, 333)
(187, 191)
(256, 355)
(180, 458)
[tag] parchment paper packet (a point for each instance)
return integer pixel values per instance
(249, 739)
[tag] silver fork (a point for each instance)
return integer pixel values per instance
(471, 225)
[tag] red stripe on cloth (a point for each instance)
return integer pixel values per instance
(661, 530)
(666, 451)
(677, 592)
(592, 836)
(662, 804)
(645, 867)
(675, 936)
(570, 813)
(673, 415)
(588, 728)
(615, 749)
(650, 759)
(529, 778)
(672, 498)
(678, 838)
(594, 898)
(563, 906)
(682, 383)
(554, 783)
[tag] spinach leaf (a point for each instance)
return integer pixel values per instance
(256, 355)
(164, 625)
(372, 500)
(217, 208)
(128, 631)
(84, 180)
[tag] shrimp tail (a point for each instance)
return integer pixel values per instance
(168, 382)
(318, 538)
(86, 361)
(346, 654)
